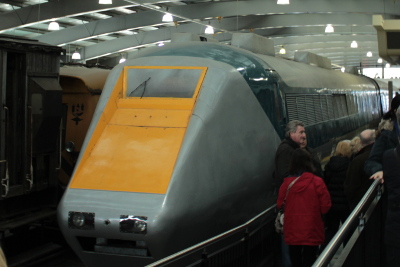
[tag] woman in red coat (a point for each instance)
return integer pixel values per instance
(306, 200)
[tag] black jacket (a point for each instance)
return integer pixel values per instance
(334, 176)
(386, 140)
(391, 169)
(357, 180)
(283, 156)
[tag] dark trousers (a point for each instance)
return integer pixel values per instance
(303, 256)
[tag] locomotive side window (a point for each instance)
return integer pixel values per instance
(162, 82)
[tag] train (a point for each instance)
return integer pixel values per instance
(181, 144)
(81, 89)
(30, 119)
(46, 110)
(29, 127)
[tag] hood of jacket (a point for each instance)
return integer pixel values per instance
(302, 183)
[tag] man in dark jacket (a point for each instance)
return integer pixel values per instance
(295, 138)
(386, 138)
(357, 180)
(391, 170)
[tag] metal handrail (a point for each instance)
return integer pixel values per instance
(211, 240)
(329, 252)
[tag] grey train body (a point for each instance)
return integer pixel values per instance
(223, 173)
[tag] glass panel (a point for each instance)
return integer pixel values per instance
(177, 83)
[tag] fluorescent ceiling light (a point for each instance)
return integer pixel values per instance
(354, 44)
(105, 2)
(209, 30)
(283, 2)
(76, 55)
(161, 44)
(329, 28)
(54, 26)
(167, 17)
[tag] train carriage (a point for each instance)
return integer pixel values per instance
(81, 90)
(181, 146)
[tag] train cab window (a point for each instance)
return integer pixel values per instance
(162, 82)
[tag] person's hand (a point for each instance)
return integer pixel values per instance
(377, 175)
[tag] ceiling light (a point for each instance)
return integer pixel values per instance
(380, 60)
(282, 51)
(161, 44)
(209, 30)
(354, 44)
(369, 54)
(167, 18)
(283, 2)
(343, 69)
(53, 26)
(76, 55)
(387, 65)
(122, 60)
(329, 28)
(105, 2)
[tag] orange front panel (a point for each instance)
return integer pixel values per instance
(151, 117)
(132, 159)
(136, 142)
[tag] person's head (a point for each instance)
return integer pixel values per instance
(367, 137)
(301, 162)
(394, 105)
(343, 149)
(355, 144)
(295, 131)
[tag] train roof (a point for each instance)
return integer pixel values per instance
(293, 74)
(20, 44)
(93, 78)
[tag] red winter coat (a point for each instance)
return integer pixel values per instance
(306, 201)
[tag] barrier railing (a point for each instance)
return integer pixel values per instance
(242, 246)
(361, 214)
(201, 248)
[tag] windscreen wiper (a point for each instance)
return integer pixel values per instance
(144, 82)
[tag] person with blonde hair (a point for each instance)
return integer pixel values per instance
(334, 177)
(355, 145)
(357, 180)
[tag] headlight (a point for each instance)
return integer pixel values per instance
(78, 219)
(81, 220)
(133, 224)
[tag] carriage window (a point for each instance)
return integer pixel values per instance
(162, 82)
